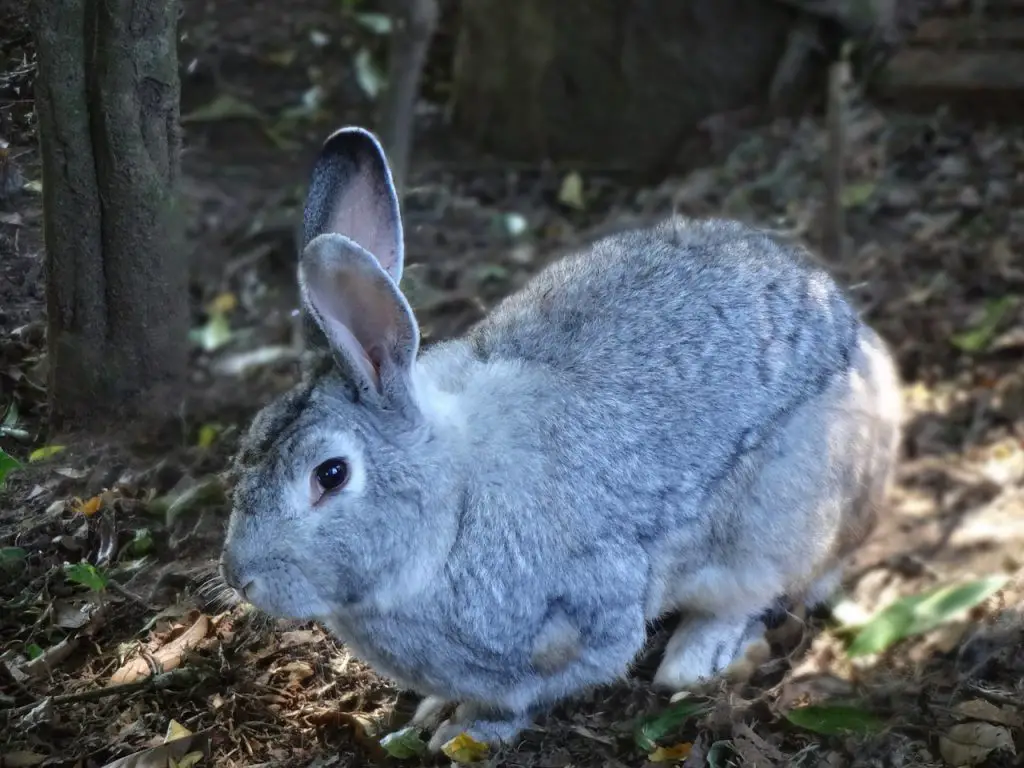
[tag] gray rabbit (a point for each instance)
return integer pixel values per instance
(686, 418)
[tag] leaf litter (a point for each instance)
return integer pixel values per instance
(937, 274)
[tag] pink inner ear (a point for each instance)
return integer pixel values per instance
(363, 214)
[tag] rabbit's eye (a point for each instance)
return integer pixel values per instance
(332, 474)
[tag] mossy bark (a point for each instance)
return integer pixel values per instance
(605, 81)
(107, 99)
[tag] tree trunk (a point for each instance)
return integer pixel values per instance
(117, 310)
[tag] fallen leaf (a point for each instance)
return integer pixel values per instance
(21, 759)
(979, 709)
(649, 731)
(297, 637)
(571, 191)
(7, 464)
(368, 75)
(208, 435)
(87, 575)
(51, 658)
(11, 555)
(166, 658)
(465, 749)
(35, 186)
(45, 452)
(404, 744)
(856, 195)
(214, 335)
(980, 336)
(224, 107)
(92, 506)
(223, 303)
(673, 754)
(185, 751)
(970, 743)
(717, 756)
(917, 614)
(834, 720)
(378, 23)
(176, 730)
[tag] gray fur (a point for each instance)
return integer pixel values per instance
(688, 417)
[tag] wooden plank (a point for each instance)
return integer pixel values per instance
(967, 33)
(989, 71)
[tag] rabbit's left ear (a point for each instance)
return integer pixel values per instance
(351, 265)
(351, 193)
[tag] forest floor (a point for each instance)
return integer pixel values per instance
(107, 545)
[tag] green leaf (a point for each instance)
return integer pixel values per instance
(404, 744)
(215, 334)
(378, 23)
(33, 651)
(46, 452)
(649, 731)
(978, 338)
(856, 195)
(141, 544)
(87, 575)
(917, 614)
(835, 720)
(7, 464)
(11, 555)
(208, 435)
(368, 75)
(571, 192)
(718, 754)
(224, 107)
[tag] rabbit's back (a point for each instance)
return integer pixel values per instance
(648, 383)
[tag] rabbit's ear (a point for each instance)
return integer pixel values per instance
(351, 193)
(366, 319)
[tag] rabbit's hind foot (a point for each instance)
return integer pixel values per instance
(703, 648)
(487, 727)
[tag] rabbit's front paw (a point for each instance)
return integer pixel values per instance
(491, 728)
(703, 648)
(429, 712)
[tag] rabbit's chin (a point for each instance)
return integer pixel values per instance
(292, 598)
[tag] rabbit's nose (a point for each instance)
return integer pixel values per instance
(229, 572)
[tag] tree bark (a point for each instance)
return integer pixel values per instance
(107, 99)
(603, 81)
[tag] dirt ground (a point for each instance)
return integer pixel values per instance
(108, 546)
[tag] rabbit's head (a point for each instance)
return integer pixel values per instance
(332, 484)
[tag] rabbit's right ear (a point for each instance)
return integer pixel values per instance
(351, 193)
(350, 267)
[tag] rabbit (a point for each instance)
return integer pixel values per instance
(686, 419)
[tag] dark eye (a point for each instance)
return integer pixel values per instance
(332, 474)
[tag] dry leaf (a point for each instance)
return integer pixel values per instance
(299, 637)
(754, 750)
(969, 744)
(21, 759)
(167, 658)
(979, 709)
(465, 749)
(673, 754)
(51, 658)
(179, 753)
(571, 191)
(176, 730)
(92, 506)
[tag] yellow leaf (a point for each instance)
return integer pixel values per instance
(465, 749)
(188, 760)
(571, 191)
(176, 730)
(207, 435)
(92, 506)
(41, 454)
(222, 304)
(673, 754)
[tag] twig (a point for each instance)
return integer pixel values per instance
(834, 229)
(156, 683)
(415, 22)
(994, 697)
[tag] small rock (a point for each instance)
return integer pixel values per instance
(969, 198)
(953, 167)
(997, 191)
(902, 198)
